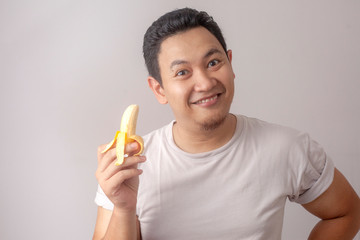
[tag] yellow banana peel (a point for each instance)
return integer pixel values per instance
(127, 134)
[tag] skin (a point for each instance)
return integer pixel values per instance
(193, 68)
(120, 184)
(339, 209)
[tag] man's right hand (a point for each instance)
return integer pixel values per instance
(120, 183)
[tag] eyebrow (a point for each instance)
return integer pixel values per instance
(178, 62)
(211, 52)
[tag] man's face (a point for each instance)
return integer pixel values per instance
(197, 77)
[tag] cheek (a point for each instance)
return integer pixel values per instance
(230, 83)
(229, 77)
(178, 93)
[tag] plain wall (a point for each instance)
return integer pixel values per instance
(69, 68)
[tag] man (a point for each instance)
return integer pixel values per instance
(211, 174)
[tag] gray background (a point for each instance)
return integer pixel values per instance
(69, 68)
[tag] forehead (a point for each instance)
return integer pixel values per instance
(189, 45)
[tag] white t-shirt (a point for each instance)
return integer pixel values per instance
(237, 191)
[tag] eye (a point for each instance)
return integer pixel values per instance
(213, 63)
(182, 73)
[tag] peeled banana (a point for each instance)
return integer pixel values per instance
(126, 134)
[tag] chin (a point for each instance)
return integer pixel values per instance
(213, 122)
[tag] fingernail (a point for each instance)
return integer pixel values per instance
(143, 158)
(133, 145)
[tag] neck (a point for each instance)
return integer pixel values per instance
(198, 139)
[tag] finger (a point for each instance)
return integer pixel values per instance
(122, 176)
(130, 163)
(132, 148)
(106, 159)
(100, 150)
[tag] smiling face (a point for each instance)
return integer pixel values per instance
(197, 79)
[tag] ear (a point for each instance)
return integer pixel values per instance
(157, 90)
(229, 54)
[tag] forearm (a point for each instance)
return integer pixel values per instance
(341, 228)
(122, 225)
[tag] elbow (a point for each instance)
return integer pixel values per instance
(354, 216)
(357, 214)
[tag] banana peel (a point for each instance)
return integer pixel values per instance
(127, 134)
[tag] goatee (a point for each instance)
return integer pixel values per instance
(213, 123)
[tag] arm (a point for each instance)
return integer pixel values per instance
(120, 184)
(339, 209)
(107, 219)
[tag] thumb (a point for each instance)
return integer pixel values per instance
(132, 148)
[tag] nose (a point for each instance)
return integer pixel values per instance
(204, 81)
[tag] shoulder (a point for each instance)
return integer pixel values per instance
(275, 138)
(261, 130)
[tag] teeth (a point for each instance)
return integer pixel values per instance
(207, 100)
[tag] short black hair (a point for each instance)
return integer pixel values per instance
(169, 24)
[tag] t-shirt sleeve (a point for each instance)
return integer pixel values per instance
(313, 170)
(102, 200)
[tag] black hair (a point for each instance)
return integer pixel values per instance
(169, 24)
